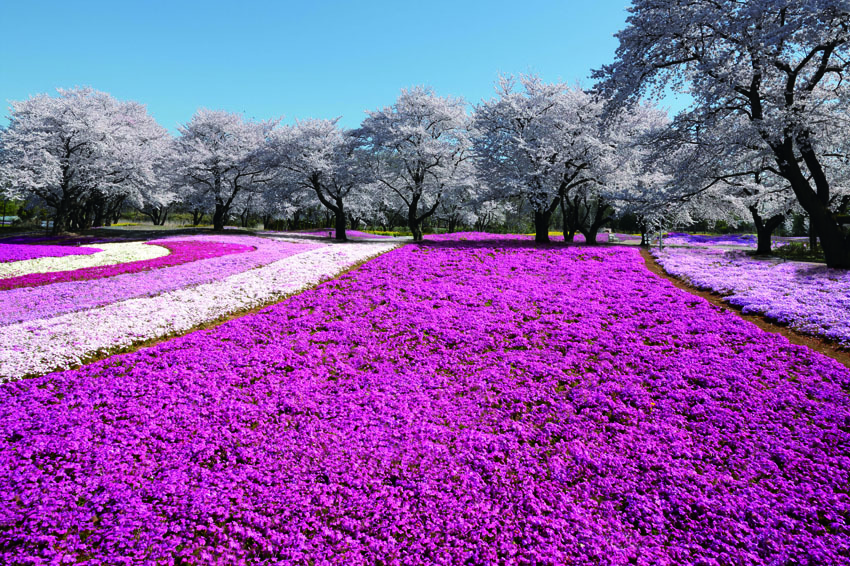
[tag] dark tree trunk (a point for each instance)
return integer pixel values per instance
(836, 248)
(765, 229)
(60, 219)
(542, 220)
(84, 221)
(414, 225)
(600, 218)
(197, 216)
(452, 225)
(113, 211)
(564, 224)
(99, 213)
(59, 223)
(222, 207)
(219, 217)
(334, 208)
(353, 222)
(569, 217)
(64, 206)
(339, 223)
(644, 232)
(541, 226)
(813, 239)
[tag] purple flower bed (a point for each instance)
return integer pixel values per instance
(181, 252)
(447, 403)
(808, 297)
(684, 239)
(58, 240)
(520, 239)
(349, 233)
(32, 303)
(743, 240)
(20, 252)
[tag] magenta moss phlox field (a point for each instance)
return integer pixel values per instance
(456, 402)
(21, 252)
(181, 252)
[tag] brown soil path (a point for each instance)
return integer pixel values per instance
(816, 343)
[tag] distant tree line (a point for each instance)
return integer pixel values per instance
(764, 144)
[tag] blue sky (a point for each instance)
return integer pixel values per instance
(295, 59)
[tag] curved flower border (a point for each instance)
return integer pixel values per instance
(808, 297)
(18, 252)
(179, 252)
(111, 254)
(40, 346)
(31, 303)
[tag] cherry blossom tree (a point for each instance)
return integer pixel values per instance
(779, 64)
(419, 150)
(540, 142)
(724, 175)
(82, 153)
(158, 199)
(222, 155)
(642, 181)
(326, 160)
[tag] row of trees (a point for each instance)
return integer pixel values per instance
(533, 147)
(765, 138)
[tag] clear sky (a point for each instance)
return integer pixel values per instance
(295, 59)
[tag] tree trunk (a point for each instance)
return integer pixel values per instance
(99, 214)
(835, 244)
(60, 220)
(765, 229)
(219, 217)
(339, 223)
(569, 217)
(452, 224)
(542, 220)
(413, 221)
(415, 229)
(84, 222)
(354, 222)
(541, 226)
(222, 207)
(569, 235)
(599, 219)
(813, 239)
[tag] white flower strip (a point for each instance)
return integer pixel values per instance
(41, 346)
(112, 254)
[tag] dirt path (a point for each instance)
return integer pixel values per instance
(825, 347)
